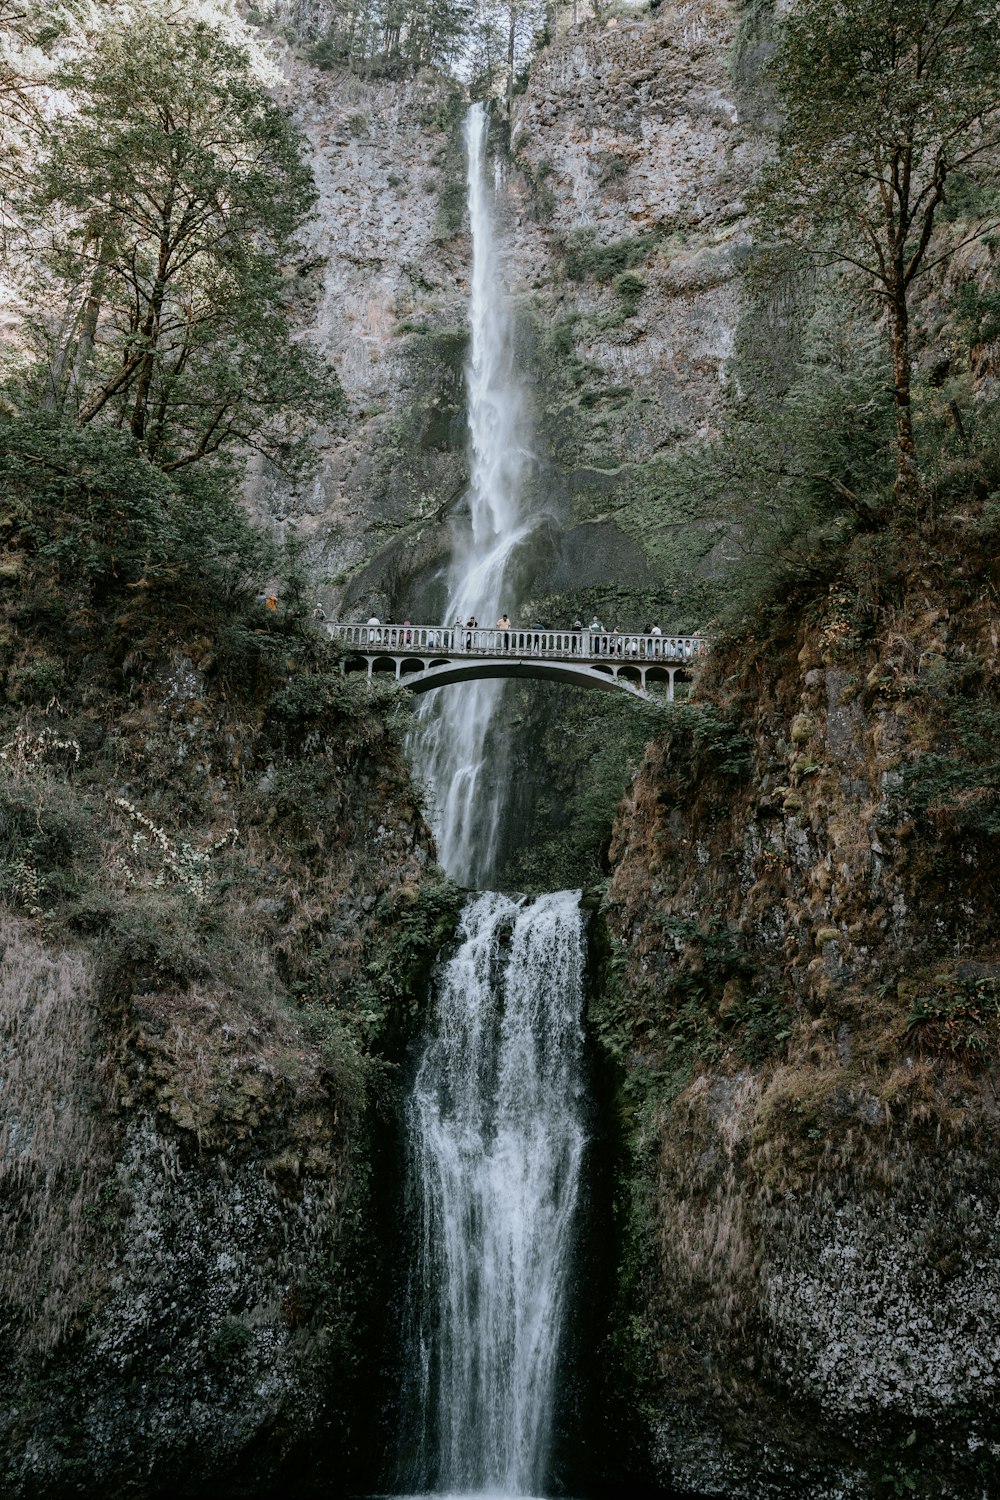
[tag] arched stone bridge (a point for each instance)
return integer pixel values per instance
(431, 656)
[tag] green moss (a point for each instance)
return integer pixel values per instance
(585, 258)
(228, 1342)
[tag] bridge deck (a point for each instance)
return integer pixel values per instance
(428, 656)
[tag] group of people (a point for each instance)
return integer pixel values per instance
(603, 642)
(613, 643)
(389, 634)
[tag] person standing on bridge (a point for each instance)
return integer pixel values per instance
(504, 624)
(651, 645)
(471, 624)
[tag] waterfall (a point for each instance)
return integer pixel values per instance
(494, 1124)
(451, 746)
(495, 1136)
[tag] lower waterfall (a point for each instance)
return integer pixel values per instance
(495, 1135)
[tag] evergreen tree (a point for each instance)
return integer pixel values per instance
(884, 102)
(400, 36)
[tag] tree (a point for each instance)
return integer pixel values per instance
(884, 103)
(21, 115)
(397, 36)
(502, 41)
(170, 193)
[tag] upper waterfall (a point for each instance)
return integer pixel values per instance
(449, 745)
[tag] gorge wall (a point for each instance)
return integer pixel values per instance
(629, 155)
(797, 988)
(219, 911)
(804, 996)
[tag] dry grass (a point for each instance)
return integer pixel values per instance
(705, 1221)
(55, 1151)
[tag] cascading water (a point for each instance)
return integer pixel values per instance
(494, 1124)
(450, 744)
(496, 1137)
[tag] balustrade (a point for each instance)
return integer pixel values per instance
(547, 645)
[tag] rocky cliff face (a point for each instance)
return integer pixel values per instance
(809, 1016)
(382, 291)
(628, 237)
(630, 153)
(219, 909)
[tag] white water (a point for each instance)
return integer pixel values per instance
(494, 1125)
(451, 745)
(495, 1137)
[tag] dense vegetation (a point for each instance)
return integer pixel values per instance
(160, 731)
(489, 41)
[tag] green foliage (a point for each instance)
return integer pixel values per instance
(148, 943)
(880, 104)
(46, 833)
(392, 978)
(378, 40)
(978, 312)
(39, 681)
(308, 697)
(713, 742)
(347, 1069)
(959, 1018)
(969, 200)
(630, 287)
(666, 1028)
(543, 199)
(956, 786)
(88, 505)
(590, 742)
(759, 1026)
(586, 259)
(803, 469)
(169, 196)
(228, 1342)
(451, 210)
(919, 79)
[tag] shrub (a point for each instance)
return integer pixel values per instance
(230, 1340)
(585, 258)
(38, 681)
(90, 509)
(960, 1018)
(630, 287)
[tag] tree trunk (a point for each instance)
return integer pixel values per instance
(91, 316)
(55, 385)
(151, 327)
(907, 476)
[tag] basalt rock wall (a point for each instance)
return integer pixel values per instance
(624, 173)
(803, 999)
(215, 938)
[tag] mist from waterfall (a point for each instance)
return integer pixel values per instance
(495, 1139)
(451, 746)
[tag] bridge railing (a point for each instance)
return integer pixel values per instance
(455, 640)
